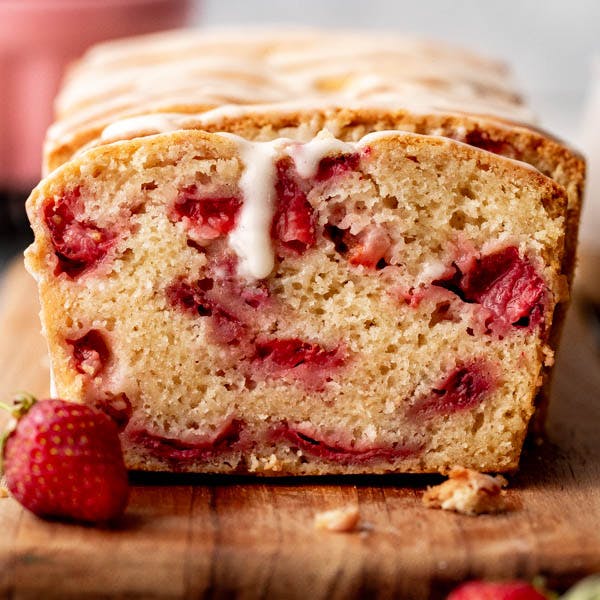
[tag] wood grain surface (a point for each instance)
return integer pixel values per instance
(219, 537)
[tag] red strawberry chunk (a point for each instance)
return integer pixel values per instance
(196, 298)
(481, 139)
(64, 460)
(209, 218)
(486, 590)
(371, 246)
(335, 451)
(464, 388)
(179, 451)
(290, 353)
(336, 166)
(231, 304)
(504, 283)
(306, 362)
(294, 219)
(237, 313)
(117, 407)
(508, 285)
(255, 297)
(90, 353)
(235, 324)
(78, 244)
(228, 328)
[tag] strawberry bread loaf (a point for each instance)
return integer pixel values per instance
(309, 254)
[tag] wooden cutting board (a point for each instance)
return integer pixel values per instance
(220, 537)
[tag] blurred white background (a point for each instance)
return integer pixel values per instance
(549, 43)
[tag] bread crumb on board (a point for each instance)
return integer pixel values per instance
(341, 520)
(468, 492)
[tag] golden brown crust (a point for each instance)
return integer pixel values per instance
(525, 143)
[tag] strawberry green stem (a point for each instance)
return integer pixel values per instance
(22, 402)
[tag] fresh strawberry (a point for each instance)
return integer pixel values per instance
(64, 460)
(487, 590)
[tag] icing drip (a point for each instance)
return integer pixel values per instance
(307, 156)
(251, 237)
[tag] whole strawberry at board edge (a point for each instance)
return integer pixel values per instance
(586, 589)
(497, 590)
(63, 460)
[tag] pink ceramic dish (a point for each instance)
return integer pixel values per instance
(38, 38)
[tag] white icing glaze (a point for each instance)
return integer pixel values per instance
(202, 70)
(135, 126)
(307, 156)
(140, 126)
(251, 237)
(352, 69)
(376, 136)
(379, 135)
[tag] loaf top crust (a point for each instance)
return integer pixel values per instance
(266, 84)
(185, 73)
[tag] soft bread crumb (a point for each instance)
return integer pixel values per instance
(343, 520)
(468, 492)
(200, 385)
(3, 488)
(270, 463)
